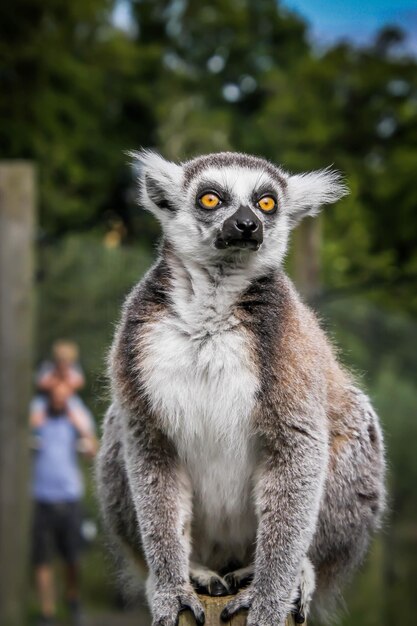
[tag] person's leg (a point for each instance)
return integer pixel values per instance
(44, 581)
(69, 547)
(42, 540)
(72, 574)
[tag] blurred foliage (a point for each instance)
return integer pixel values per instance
(379, 346)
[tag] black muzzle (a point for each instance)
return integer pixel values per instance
(242, 230)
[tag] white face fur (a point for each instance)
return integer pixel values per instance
(173, 193)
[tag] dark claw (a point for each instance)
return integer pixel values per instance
(225, 615)
(228, 613)
(199, 616)
(235, 584)
(245, 582)
(214, 588)
(201, 619)
(232, 583)
(199, 588)
(299, 617)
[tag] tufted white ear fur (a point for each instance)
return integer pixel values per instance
(159, 181)
(307, 192)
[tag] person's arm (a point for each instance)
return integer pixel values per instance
(37, 414)
(48, 381)
(81, 420)
(46, 377)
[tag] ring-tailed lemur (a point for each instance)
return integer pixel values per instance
(237, 452)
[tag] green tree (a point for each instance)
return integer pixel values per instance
(70, 87)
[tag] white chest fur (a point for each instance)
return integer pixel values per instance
(202, 383)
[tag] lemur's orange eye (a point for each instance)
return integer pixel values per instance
(267, 204)
(209, 200)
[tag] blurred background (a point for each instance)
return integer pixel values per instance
(304, 83)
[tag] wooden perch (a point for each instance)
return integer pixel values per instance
(213, 606)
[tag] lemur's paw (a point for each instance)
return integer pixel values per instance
(261, 611)
(243, 601)
(214, 587)
(168, 604)
(239, 578)
(208, 583)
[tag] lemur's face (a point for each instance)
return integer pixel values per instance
(235, 208)
(232, 213)
(230, 206)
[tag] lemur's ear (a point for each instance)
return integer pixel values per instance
(308, 192)
(159, 181)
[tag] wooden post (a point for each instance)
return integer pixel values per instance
(213, 606)
(306, 257)
(17, 217)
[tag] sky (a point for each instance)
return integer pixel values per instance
(333, 20)
(357, 20)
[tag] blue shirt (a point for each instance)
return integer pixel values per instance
(56, 476)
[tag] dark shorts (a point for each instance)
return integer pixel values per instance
(56, 530)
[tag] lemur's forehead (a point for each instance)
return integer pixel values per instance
(230, 169)
(237, 182)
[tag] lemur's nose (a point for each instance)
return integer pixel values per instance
(247, 226)
(243, 229)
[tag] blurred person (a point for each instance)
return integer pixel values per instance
(61, 426)
(64, 367)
